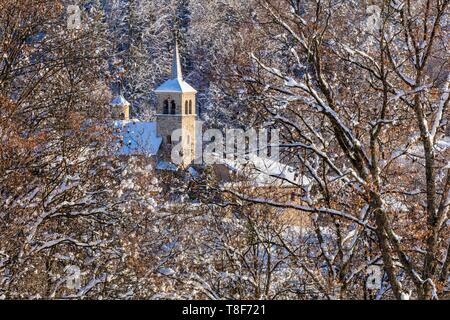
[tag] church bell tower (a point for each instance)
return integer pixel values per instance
(177, 110)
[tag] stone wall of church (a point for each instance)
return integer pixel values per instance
(169, 97)
(167, 123)
(189, 99)
(121, 112)
(189, 137)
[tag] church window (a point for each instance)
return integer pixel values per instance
(166, 107)
(190, 106)
(186, 108)
(173, 107)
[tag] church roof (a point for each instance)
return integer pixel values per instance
(176, 64)
(119, 101)
(176, 84)
(138, 138)
(262, 172)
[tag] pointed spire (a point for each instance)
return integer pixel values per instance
(176, 64)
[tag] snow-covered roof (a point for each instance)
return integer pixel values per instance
(139, 138)
(176, 86)
(166, 166)
(266, 172)
(193, 172)
(119, 101)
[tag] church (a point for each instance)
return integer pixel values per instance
(176, 110)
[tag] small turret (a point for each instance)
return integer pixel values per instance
(120, 108)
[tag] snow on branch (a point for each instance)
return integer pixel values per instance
(327, 211)
(443, 103)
